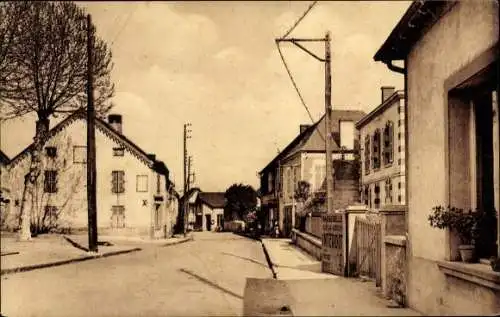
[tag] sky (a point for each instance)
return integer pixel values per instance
(216, 66)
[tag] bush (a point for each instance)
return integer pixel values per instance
(464, 223)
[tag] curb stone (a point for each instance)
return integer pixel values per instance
(187, 239)
(269, 262)
(63, 262)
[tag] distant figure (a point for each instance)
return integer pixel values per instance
(276, 229)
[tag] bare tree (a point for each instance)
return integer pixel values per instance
(44, 53)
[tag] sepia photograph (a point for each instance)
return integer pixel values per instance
(249, 158)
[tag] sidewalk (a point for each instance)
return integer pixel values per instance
(308, 292)
(52, 250)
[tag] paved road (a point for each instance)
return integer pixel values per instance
(206, 276)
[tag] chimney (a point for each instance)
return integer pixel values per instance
(387, 91)
(152, 157)
(304, 127)
(115, 121)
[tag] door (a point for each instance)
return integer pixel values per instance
(287, 221)
(208, 219)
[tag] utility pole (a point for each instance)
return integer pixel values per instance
(91, 150)
(328, 106)
(328, 126)
(186, 181)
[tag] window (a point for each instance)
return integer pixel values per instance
(79, 154)
(399, 185)
(347, 134)
(158, 218)
(366, 195)
(399, 148)
(388, 191)
(51, 214)
(399, 122)
(51, 151)
(118, 217)
(377, 196)
(118, 151)
(319, 176)
(269, 182)
(158, 183)
(118, 182)
(399, 198)
(367, 154)
(50, 181)
(376, 150)
(142, 183)
(399, 135)
(388, 143)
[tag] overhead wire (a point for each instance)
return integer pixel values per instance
(300, 19)
(124, 24)
(288, 69)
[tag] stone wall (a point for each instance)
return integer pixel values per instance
(308, 243)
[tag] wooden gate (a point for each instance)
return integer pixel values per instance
(333, 246)
(368, 240)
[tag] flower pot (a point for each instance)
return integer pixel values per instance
(466, 252)
(495, 264)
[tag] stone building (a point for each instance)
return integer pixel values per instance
(449, 51)
(382, 135)
(135, 196)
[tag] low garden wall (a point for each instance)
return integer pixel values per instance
(308, 243)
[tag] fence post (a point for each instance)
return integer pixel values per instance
(393, 223)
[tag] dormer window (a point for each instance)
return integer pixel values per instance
(118, 151)
(51, 151)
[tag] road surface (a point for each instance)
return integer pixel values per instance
(206, 276)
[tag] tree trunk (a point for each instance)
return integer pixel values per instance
(31, 178)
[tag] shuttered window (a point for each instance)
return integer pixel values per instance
(376, 149)
(367, 155)
(118, 182)
(118, 216)
(50, 181)
(388, 143)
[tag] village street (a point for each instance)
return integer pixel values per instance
(206, 276)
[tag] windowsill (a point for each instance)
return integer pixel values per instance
(477, 273)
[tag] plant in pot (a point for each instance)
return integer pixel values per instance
(463, 223)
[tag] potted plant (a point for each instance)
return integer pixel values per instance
(463, 223)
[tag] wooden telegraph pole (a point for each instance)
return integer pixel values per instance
(328, 106)
(91, 150)
(328, 126)
(186, 180)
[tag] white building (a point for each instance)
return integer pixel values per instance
(134, 194)
(382, 135)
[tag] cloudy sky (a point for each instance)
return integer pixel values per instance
(215, 65)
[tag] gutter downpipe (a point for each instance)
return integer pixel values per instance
(403, 70)
(395, 68)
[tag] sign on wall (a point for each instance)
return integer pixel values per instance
(332, 250)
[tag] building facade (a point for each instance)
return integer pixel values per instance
(304, 160)
(450, 53)
(133, 190)
(205, 210)
(382, 135)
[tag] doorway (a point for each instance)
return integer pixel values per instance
(208, 219)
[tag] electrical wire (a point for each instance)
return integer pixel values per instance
(300, 19)
(124, 24)
(293, 82)
(297, 88)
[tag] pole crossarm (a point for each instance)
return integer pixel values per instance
(309, 52)
(292, 39)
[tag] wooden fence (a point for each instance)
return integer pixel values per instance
(368, 246)
(314, 225)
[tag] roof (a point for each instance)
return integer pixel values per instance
(106, 129)
(213, 199)
(420, 16)
(4, 159)
(316, 140)
(397, 95)
(312, 138)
